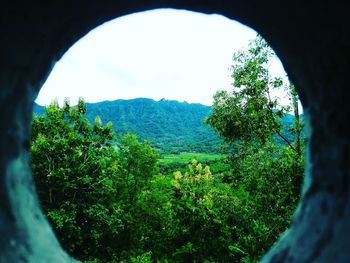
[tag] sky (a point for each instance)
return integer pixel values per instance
(164, 53)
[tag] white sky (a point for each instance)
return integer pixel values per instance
(165, 53)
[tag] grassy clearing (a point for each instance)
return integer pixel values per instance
(185, 158)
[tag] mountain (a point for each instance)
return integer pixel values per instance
(169, 125)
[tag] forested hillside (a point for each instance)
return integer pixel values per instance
(169, 125)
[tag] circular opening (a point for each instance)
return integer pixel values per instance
(116, 198)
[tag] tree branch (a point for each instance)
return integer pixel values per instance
(286, 140)
(277, 131)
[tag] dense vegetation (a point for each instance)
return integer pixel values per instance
(110, 198)
(179, 162)
(170, 126)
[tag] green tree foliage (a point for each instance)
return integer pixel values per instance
(86, 179)
(137, 164)
(248, 112)
(270, 178)
(74, 166)
(204, 211)
(171, 127)
(269, 173)
(108, 202)
(190, 217)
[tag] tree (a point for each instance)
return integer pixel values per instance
(298, 126)
(138, 164)
(187, 217)
(248, 118)
(74, 166)
(204, 209)
(249, 113)
(87, 180)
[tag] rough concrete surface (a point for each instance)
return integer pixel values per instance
(310, 37)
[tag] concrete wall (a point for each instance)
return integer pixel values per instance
(311, 38)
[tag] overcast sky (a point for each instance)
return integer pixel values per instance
(171, 54)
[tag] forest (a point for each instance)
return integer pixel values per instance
(170, 126)
(115, 196)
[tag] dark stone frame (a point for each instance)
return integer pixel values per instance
(311, 38)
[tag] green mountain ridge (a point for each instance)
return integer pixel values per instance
(169, 125)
